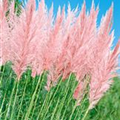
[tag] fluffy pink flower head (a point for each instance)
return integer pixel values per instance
(4, 32)
(98, 61)
(21, 40)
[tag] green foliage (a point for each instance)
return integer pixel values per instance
(27, 99)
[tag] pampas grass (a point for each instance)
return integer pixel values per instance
(54, 68)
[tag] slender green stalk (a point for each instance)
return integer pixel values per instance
(13, 106)
(32, 100)
(10, 101)
(78, 101)
(43, 105)
(37, 96)
(70, 98)
(22, 99)
(73, 110)
(86, 113)
(65, 92)
(3, 71)
(1, 107)
(50, 100)
(76, 114)
(6, 90)
(55, 109)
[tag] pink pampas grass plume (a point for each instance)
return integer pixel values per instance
(4, 32)
(104, 66)
(21, 40)
(97, 60)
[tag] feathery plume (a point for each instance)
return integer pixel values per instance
(4, 32)
(20, 42)
(102, 65)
